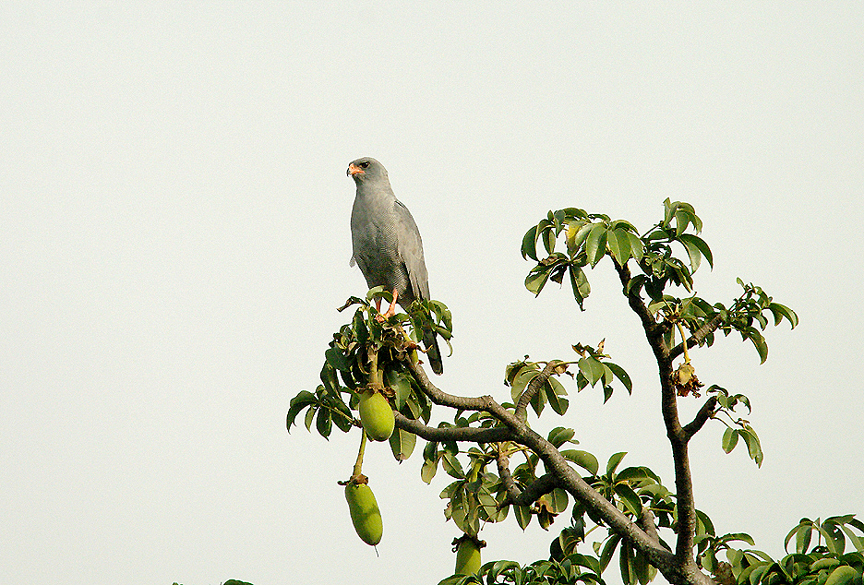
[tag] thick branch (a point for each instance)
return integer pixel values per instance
(703, 415)
(698, 337)
(440, 434)
(532, 389)
(482, 403)
(579, 489)
(523, 497)
(678, 437)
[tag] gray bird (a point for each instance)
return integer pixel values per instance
(387, 244)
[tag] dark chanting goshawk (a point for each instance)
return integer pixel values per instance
(387, 244)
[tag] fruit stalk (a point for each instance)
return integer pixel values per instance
(358, 464)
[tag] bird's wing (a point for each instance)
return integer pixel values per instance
(411, 250)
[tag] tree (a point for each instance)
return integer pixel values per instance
(651, 527)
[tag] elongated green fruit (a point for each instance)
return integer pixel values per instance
(467, 558)
(364, 513)
(376, 416)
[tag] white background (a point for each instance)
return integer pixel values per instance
(174, 242)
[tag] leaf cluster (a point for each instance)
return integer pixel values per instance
(370, 353)
(476, 449)
(815, 562)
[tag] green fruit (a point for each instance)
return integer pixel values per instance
(376, 416)
(467, 557)
(364, 512)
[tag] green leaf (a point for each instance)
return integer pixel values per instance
(641, 567)
(400, 384)
(323, 422)
(759, 343)
(615, 246)
(608, 551)
(337, 360)
(549, 240)
(592, 369)
(780, 311)
(624, 559)
(298, 403)
(560, 435)
(452, 466)
(558, 500)
(802, 539)
(623, 376)
(579, 283)
(842, 575)
(856, 540)
(754, 448)
(358, 323)
(523, 378)
(329, 378)
(558, 403)
(402, 444)
(523, 516)
(696, 247)
(581, 234)
(730, 439)
(310, 416)
(637, 248)
(428, 471)
(529, 244)
(595, 245)
(613, 462)
(629, 498)
(583, 459)
(536, 279)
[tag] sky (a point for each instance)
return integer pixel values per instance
(175, 242)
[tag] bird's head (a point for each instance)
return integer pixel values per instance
(366, 169)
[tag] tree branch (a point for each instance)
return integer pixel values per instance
(523, 497)
(677, 568)
(532, 389)
(699, 420)
(684, 565)
(698, 337)
(482, 403)
(440, 434)
(646, 523)
(649, 324)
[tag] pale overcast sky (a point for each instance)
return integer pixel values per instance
(175, 241)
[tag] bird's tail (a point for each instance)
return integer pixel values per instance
(430, 340)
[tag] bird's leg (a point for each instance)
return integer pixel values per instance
(391, 311)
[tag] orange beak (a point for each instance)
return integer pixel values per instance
(354, 170)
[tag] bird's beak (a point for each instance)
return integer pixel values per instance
(354, 170)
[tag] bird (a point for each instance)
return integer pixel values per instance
(387, 245)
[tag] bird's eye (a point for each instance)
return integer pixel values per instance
(364, 165)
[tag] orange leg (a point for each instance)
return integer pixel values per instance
(391, 311)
